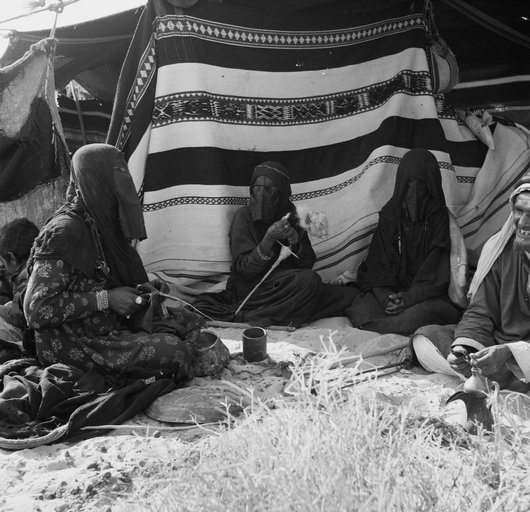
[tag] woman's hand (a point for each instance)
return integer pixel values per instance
(395, 304)
(279, 230)
(155, 285)
(293, 238)
(126, 300)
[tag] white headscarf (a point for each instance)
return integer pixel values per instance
(494, 246)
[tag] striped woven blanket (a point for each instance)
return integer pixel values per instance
(336, 94)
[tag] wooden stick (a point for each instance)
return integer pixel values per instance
(146, 427)
(239, 325)
(285, 252)
(274, 265)
(374, 353)
(182, 301)
(218, 323)
(362, 378)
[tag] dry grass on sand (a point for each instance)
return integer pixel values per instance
(382, 445)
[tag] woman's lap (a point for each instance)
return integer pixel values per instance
(366, 313)
(287, 297)
(120, 352)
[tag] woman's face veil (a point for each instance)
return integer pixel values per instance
(103, 182)
(269, 192)
(418, 188)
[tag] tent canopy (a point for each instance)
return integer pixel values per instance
(92, 50)
(337, 91)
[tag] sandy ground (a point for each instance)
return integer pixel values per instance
(91, 474)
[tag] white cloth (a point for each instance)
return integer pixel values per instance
(430, 357)
(458, 264)
(432, 360)
(9, 333)
(495, 245)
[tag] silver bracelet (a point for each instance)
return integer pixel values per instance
(102, 300)
(261, 255)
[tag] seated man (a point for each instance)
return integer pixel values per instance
(494, 332)
(292, 294)
(16, 239)
(405, 277)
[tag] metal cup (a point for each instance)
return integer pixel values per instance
(254, 344)
(212, 354)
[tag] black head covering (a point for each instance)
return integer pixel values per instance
(104, 183)
(107, 204)
(279, 204)
(401, 243)
(417, 165)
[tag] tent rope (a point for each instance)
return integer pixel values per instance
(58, 6)
(49, 92)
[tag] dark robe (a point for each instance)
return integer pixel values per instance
(84, 249)
(409, 253)
(292, 294)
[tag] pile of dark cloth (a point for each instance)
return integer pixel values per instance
(44, 405)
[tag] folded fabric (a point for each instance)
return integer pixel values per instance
(43, 405)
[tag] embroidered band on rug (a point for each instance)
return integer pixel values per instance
(336, 95)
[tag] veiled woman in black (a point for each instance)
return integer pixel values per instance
(292, 294)
(405, 277)
(83, 294)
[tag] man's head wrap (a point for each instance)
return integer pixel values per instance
(495, 245)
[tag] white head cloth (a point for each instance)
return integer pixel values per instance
(495, 245)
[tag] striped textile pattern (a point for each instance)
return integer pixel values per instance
(338, 97)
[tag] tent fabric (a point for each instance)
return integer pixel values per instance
(33, 155)
(338, 97)
(85, 123)
(98, 46)
(92, 50)
(487, 207)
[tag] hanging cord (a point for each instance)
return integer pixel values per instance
(432, 31)
(56, 6)
(50, 97)
(62, 155)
